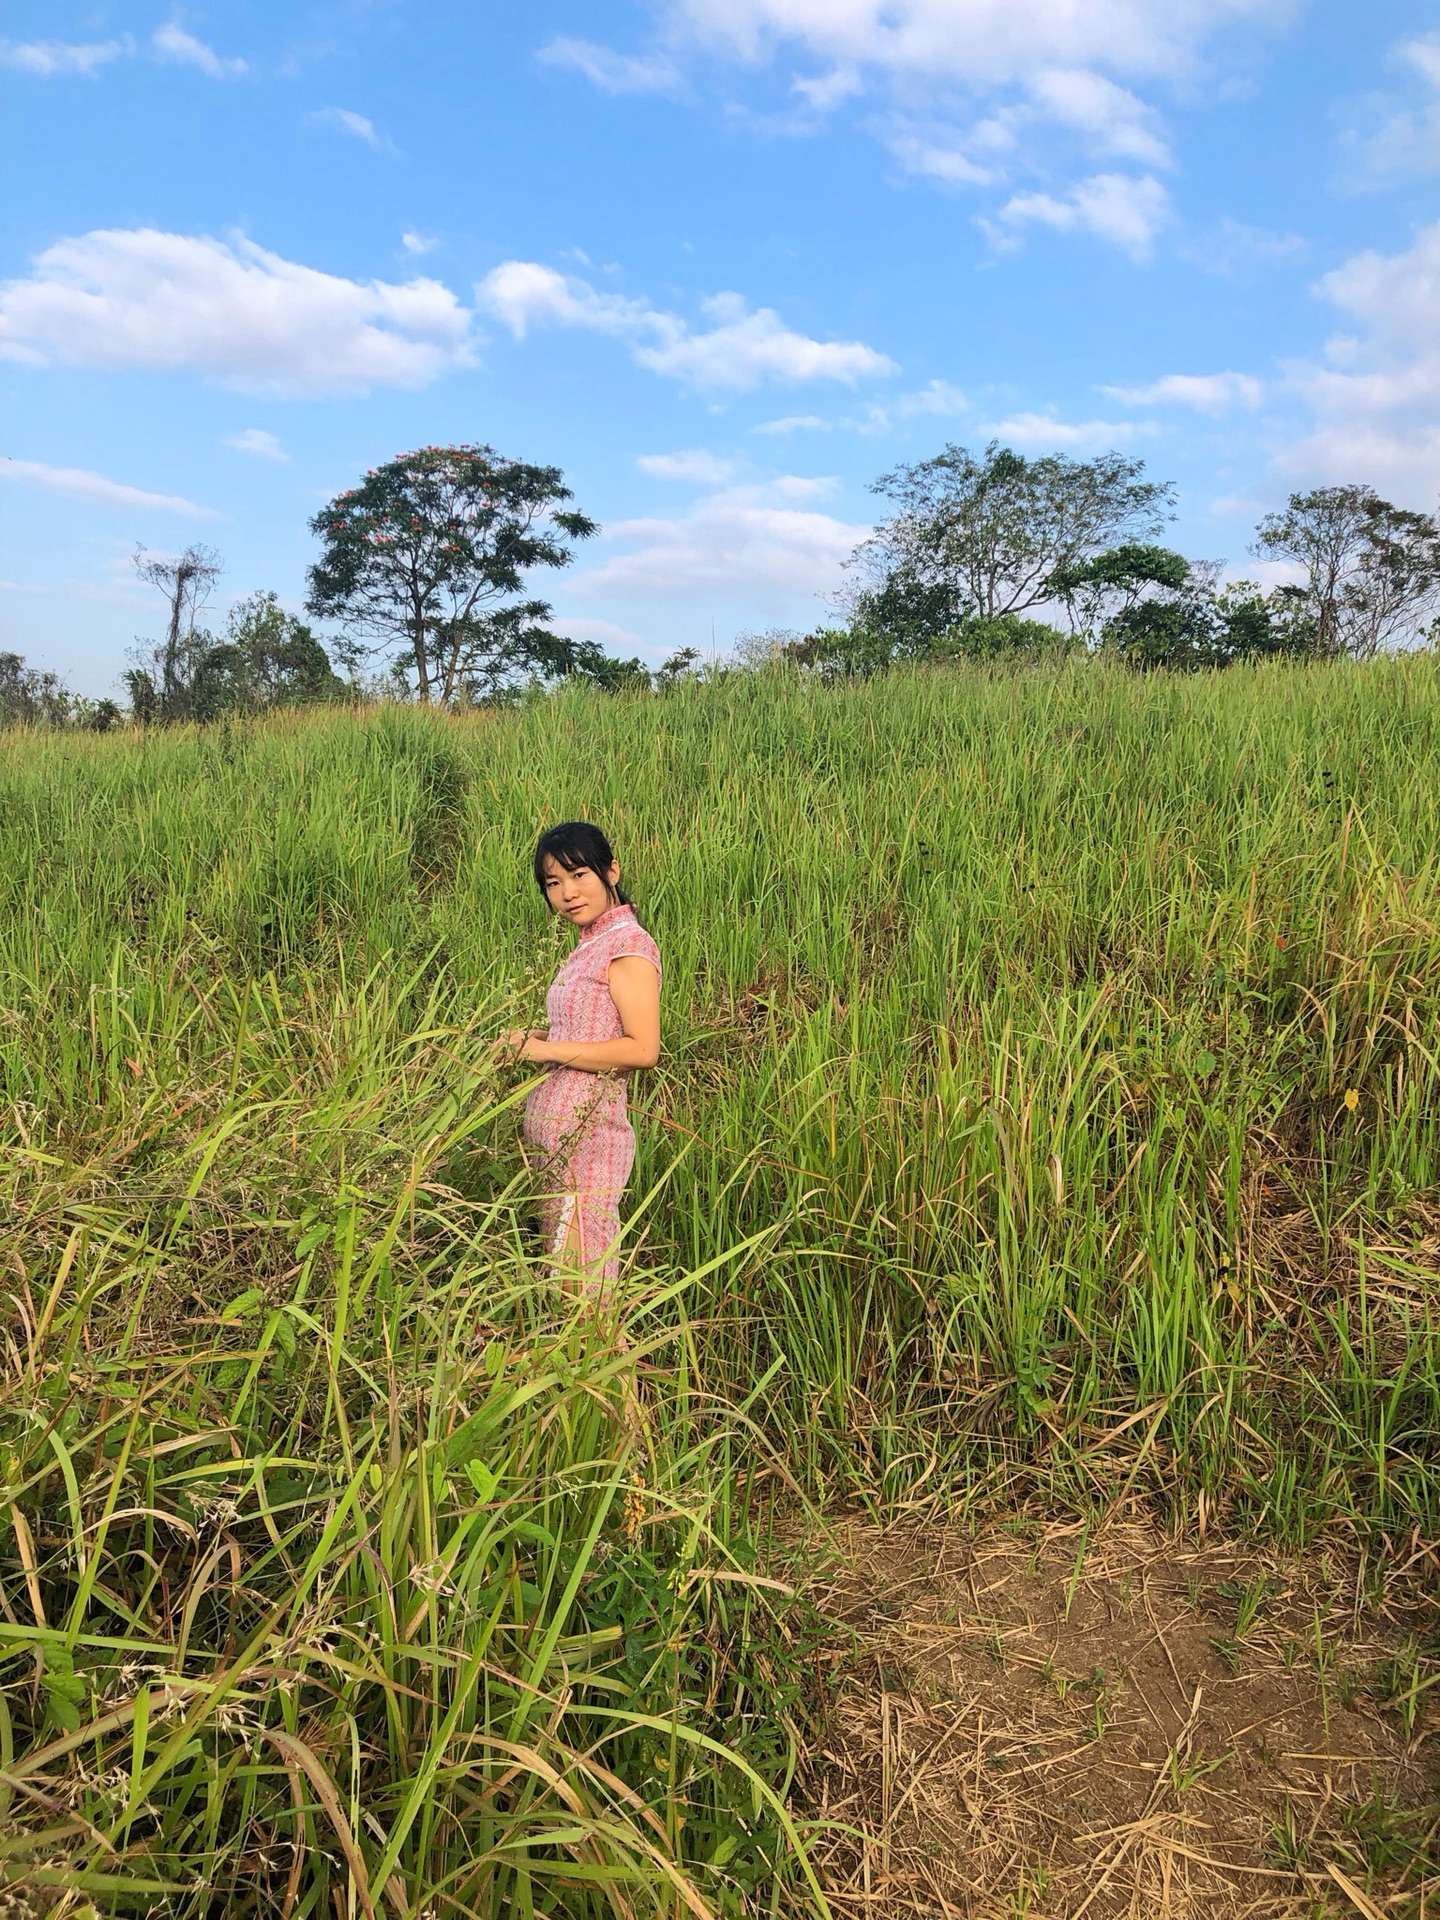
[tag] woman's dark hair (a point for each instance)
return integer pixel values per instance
(575, 843)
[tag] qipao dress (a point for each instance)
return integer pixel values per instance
(577, 1123)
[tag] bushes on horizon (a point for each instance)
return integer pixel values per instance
(860, 651)
(1002, 538)
(1200, 627)
(1151, 608)
(38, 697)
(267, 658)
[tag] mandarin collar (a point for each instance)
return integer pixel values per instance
(609, 918)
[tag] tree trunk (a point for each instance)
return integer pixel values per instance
(170, 676)
(422, 664)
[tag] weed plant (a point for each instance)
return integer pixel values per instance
(1049, 1106)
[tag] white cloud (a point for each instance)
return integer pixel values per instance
(138, 298)
(941, 158)
(1116, 207)
(81, 484)
(1238, 506)
(605, 633)
(172, 42)
(344, 121)
(746, 349)
(51, 57)
(1048, 435)
(1407, 139)
(1375, 395)
(1231, 247)
(696, 464)
(825, 91)
(975, 93)
(257, 441)
(747, 543)
(1270, 574)
(743, 349)
(1109, 120)
(938, 397)
(418, 242)
(791, 488)
(795, 423)
(1213, 393)
(975, 41)
(1110, 116)
(611, 71)
(523, 294)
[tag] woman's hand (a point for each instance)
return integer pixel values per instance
(520, 1044)
(635, 990)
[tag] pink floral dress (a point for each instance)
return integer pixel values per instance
(576, 1121)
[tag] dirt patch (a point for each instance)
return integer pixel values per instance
(1053, 1721)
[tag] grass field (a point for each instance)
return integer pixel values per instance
(1049, 1122)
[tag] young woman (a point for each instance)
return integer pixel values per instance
(604, 1014)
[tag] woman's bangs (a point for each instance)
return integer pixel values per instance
(565, 854)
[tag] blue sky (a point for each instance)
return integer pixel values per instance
(723, 261)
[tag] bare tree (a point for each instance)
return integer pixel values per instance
(187, 582)
(1372, 570)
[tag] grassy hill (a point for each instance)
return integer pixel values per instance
(1050, 1115)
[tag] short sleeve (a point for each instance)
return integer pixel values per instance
(633, 942)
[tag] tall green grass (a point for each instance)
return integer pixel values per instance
(1001, 1144)
(344, 1569)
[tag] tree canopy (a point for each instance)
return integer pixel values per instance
(1372, 569)
(981, 538)
(1098, 589)
(268, 658)
(425, 562)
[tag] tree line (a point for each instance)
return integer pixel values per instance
(424, 574)
(1002, 555)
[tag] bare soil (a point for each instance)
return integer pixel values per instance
(1049, 1721)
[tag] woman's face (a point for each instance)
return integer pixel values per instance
(579, 894)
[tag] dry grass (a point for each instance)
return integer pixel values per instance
(1045, 1720)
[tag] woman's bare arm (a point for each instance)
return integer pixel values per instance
(635, 989)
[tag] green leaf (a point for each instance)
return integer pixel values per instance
(285, 1336)
(483, 1479)
(243, 1304)
(65, 1690)
(308, 1242)
(1204, 1065)
(468, 1438)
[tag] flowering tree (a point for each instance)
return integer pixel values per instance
(425, 561)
